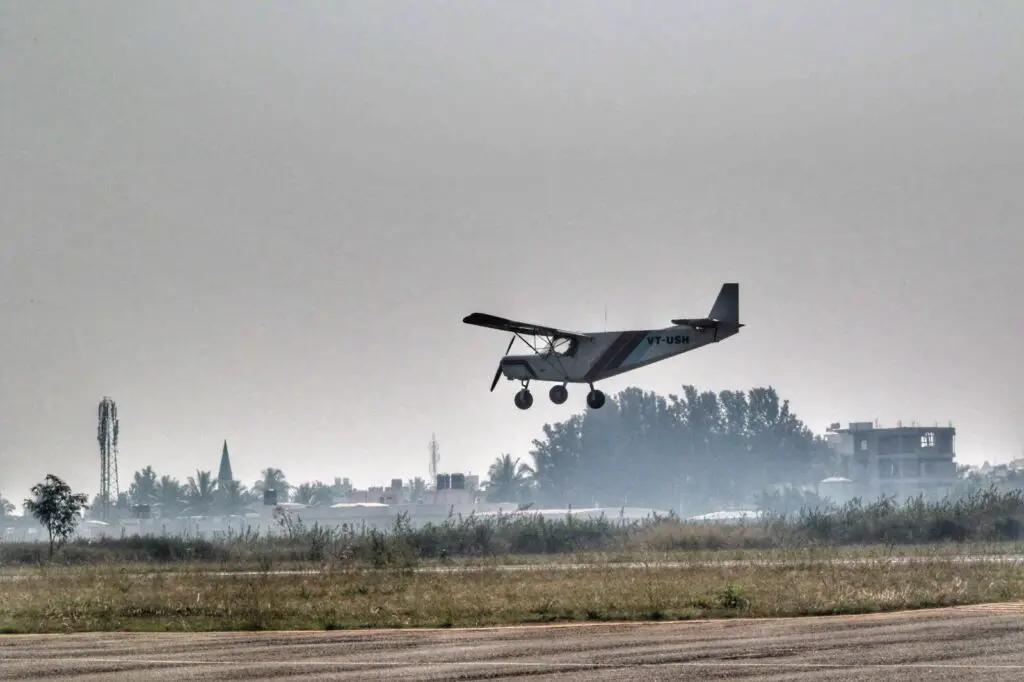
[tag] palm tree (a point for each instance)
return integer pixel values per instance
(273, 479)
(200, 493)
(508, 479)
(314, 494)
(6, 508)
(143, 487)
(170, 495)
(231, 496)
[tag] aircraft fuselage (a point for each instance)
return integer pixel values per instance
(606, 354)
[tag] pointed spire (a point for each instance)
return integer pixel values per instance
(224, 475)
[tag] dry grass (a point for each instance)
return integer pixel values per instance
(383, 579)
(990, 517)
(66, 599)
(244, 562)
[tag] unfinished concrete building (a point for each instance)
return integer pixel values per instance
(901, 461)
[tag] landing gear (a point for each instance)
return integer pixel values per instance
(558, 394)
(524, 399)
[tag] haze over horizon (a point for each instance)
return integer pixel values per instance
(265, 222)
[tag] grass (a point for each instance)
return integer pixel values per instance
(781, 566)
(91, 598)
(245, 563)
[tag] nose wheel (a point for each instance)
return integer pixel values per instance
(558, 394)
(595, 399)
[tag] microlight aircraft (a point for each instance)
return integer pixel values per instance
(566, 357)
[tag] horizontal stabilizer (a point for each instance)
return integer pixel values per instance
(700, 322)
(724, 313)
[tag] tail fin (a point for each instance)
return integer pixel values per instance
(725, 313)
(727, 305)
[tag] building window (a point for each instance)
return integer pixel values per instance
(863, 444)
(888, 445)
(928, 440)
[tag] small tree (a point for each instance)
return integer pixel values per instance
(57, 508)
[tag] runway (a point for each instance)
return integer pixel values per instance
(976, 643)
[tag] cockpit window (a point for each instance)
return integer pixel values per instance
(565, 347)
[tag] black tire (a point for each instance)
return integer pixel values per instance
(524, 399)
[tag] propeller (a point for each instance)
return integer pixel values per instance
(497, 374)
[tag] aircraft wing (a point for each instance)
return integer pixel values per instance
(515, 327)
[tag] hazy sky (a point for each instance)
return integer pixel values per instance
(265, 221)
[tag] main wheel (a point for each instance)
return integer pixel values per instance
(595, 399)
(558, 394)
(524, 399)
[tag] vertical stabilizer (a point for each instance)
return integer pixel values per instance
(727, 305)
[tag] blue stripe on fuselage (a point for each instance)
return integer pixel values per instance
(638, 354)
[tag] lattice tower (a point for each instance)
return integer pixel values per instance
(106, 434)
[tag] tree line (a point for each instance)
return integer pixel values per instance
(694, 451)
(202, 494)
(697, 449)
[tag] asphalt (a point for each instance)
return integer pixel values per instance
(965, 643)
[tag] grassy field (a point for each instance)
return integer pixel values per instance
(255, 561)
(817, 562)
(90, 598)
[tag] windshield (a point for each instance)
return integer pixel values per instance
(547, 346)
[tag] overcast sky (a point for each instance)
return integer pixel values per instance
(265, 221)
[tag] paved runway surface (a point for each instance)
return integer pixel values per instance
(967, 643)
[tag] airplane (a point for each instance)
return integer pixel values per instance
(586, 357)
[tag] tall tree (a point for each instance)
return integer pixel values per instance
(170, 495)
(143, 487)
(6, 508)
(273, 479)
(200, 493)
(231, 496)
(557, 462)
(56, 507)
(315, 494)
(697, 449)
(508, 480)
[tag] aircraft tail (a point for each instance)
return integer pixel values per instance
(724, 317)
(727, 305)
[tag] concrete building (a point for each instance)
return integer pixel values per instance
(902, 461)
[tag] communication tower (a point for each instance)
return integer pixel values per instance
(435, 456)
(106, 434)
